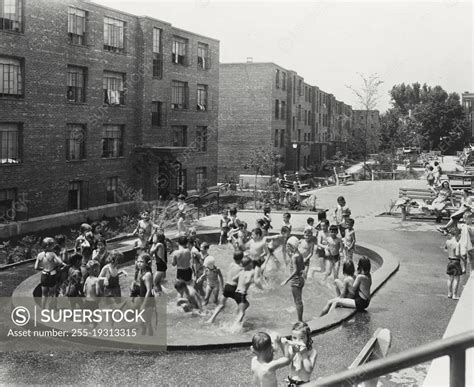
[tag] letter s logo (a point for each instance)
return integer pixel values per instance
(20, 316)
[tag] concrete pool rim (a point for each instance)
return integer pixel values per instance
(389, 264)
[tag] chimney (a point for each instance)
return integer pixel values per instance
(249, 59)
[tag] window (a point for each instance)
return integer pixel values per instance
(179, 95)
(112, 189)
(310, 95)
(201, 138)
(309, 117)
(11, 80)
(113, 34)
(8, 198)
(201, 175)
(183, 180)
(157, 54)
(294, 123)
(113, 88)
(112, 141)
(180, 136)
(283, 110)
(299, 134)
(299, 112)
(75, 142)
(156, 113)
(76, 84)
(11, 15)
(201, 97)
(283, 81)
(305, 117)
(300, 87)
(277, 79)
(276, 138)
(277, 109)
(282, 138)
(76, 25)
(204, 61)
(179, 51)
(10, 144)
(75, 195)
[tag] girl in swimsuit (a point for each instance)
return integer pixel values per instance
(147, 301)
(110, 275)
(159, 251)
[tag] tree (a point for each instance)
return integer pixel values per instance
(261, 160)
(367, 97)
(428, 117)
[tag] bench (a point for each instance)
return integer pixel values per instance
(393, 174)
(341, 178)
(288, 184)
(427, 196)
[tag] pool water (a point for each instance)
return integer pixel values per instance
(270, 309)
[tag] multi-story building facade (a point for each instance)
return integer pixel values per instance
(262, 104)
(92, 99)
(468, 105)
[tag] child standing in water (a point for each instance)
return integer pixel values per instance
(338, 214)
(224, 226)
(349, 241)
(302, 354)
(230, 284)
(296, 277)
(286, 221)
(263, 366)
(92, 290)
(244, 279)
(188, 298)
(275, 241)
(182, 260)
(334, 248)
(214, 279)
(306, 248)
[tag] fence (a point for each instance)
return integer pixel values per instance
(205, 204)
(455, 347)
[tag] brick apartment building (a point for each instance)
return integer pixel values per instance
(266, 104)
(468, 105)
(367, 123)
(91, 97)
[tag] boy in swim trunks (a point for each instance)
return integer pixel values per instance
(349, 241)
(306, 248)
(453, 269)
(244, 279)
(275, 241)
(257, 249)
(182, 260)
(188, 299)
(333, 251)
(230, 284)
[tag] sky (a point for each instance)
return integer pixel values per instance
(331, 43)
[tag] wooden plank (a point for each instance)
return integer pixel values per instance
(376, 348)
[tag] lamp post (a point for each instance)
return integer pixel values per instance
(295, 147)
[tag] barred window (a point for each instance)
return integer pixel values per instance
(180, 136)
(277, 109)
(179, 50)
(179, 95)
(204, 61)
(11, 15)
(283, 81)
(113, 88)
(11, 79)
(75, 142)
(201, 138)
(76, 25)
(76, 84)
(10, 146)
(156, 113)
(201, 175)
(277, 79)
(112, 189)
(112, 141)
(201, 97)
(113, 34)
(8, 198)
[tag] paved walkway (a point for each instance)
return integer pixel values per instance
(413, 305)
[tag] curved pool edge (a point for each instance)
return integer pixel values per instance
(318, 325)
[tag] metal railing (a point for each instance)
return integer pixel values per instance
(455, 347)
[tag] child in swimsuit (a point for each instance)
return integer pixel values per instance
(344, 288)
(306, 248)
(244, 279)
(214, 279)
(224, 226)
(453, 269)
(188, 298)
(263, 366)
(286, 221)
(182, 260)
(73, 288)
(110, 275)
(274, 242)
(349, 241)
(92, 290)
(146, 300)
(159, 251)
(296, 277)
(100, 254)
(333, 251)
(230, 284)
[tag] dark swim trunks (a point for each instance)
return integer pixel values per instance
(361, 303)
(48, 280)
(240, 298)
(229, 291)
(258, 262)
(454, 267)
(160, 265)
(185, 274)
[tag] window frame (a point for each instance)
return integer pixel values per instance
(182, 141)
(176, 57)
(73, 21)
(115, 79)
(16, 144)
(13, 63)
(19, 20)
(203, 62)
(183, 104)
(114, 192)
(114, 151)
(200, 90)
(114, 35)
(156, 116)
(78, 93)
(80, 138)
(201, 139)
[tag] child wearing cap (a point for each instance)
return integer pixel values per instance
(296, 277)
(214, 278)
